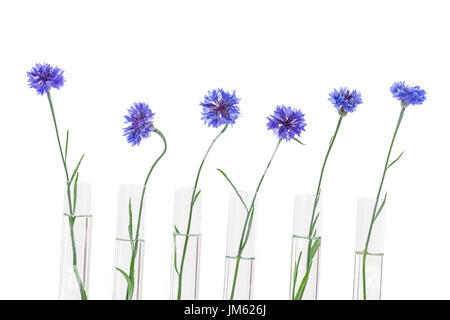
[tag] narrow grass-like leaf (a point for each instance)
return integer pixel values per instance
(317, 197)
(297, 140)
(297, 264)
(234, 188)
(302, 287)
(80, 284)
(67, 144)
(249, 227)
(175, 263)
(75, 194)
(196, 196)
(315, 220)
(72, 220)
(316, 201)
(130, 219)
(130, 223)
(314, 249)
(295, 274)
(380, 208)
(76, 170)
(395, 160)
(125, 275)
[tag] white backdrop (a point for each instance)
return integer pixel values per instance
(169, 53)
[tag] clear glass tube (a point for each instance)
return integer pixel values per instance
(129, 257)
(368, 267)
(76, 245)
(186, 244)
(305, 254)
(240, 254)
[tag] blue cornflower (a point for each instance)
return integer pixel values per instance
(286, 122)
(408, 95)
(220, 107)
(43, 77)
(140, 123)
(344, 100)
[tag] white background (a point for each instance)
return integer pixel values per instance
(170, 53)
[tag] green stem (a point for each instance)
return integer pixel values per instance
(83, 293)
(386, 166)
(247, 224)
(309, 258)
(193, 198)
(130, 290)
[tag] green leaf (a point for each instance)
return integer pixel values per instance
(80, 283)
(316, 200)
(175, 263)
(297, 264)
(315, 220)
(67, 144)
(249, 228)
(72, 220)
(297, 140)
(127, 278)
(395, 160)
(75, 194)
(235, 189)
(317, 197)
(130, 223)
(76, 170)
(295, 274)
(130, 220)
(331, 140)
(314, 249)
(196, 196)
(302, 287)
(380, 208)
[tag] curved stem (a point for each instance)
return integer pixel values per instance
(83, 293)
(374, 216)
(309, 258)
(130, 290)
(322, 172)
(57, 135)
(61, 152)
(247, 224)
(188, 229)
